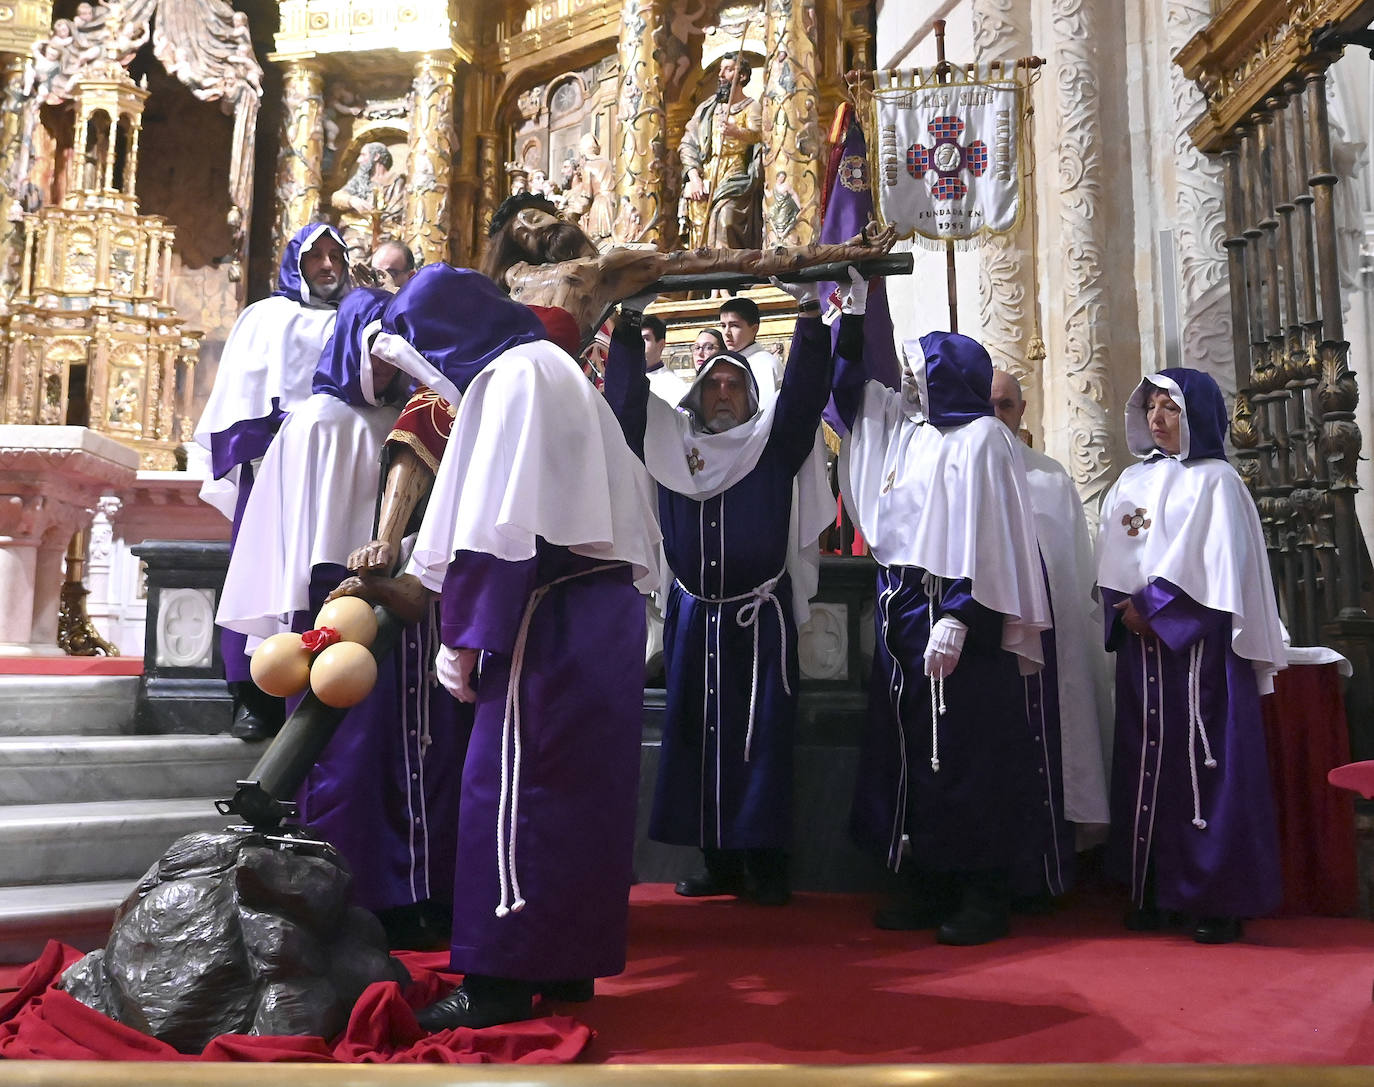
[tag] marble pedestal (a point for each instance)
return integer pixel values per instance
(156, 506)
(51, 477)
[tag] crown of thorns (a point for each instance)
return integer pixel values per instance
(513, 205)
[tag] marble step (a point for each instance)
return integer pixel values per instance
(74, 913)
(104, 840)
(63, 769)
(67, 705)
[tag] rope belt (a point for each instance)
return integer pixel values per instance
(748, 616)
(1197, 730)
(931, 584)
(512, 901)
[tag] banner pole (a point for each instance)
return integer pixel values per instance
(942, 73)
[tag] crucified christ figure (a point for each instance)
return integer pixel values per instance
(543, 260)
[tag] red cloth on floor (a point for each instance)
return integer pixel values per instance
(1305, 728)
(41, 1022)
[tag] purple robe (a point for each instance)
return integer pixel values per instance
(385, 790)
(976, 811)
(565, 835)
(718, 785)
(1053, 865)
(1230, 866)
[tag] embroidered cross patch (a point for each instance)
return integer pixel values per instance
(695, 461)
(1135, 523)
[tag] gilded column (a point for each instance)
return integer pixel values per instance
(792, 138)
(302, 150)
(488, 182)
(642, 155)
(429, 161)
(1006, 271)
(466, 241)
(11, 147)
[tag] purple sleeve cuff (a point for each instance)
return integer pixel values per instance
(244, 441)
(1177, 619)
(483, 601)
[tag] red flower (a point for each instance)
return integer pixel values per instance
(315, 640)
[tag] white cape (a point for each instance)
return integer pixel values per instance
(271, 352)
(1084, 687)
(667, 385)
(536, 452)
(672, 445)
(952, 502)
(313, 502)
(766, 366)
(1195, 525)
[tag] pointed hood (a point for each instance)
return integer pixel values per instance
(291, 282)
(340, 370)
(448, 323)
(955, 380)
(1202, 423)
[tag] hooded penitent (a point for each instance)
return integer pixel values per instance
(448, 325)
(937, 485)
(291, 280)
(316, 489)
(1188, 520)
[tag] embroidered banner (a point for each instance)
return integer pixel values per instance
(948, 153)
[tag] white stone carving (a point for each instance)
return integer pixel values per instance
(1001, 31)
(1078, 268)
(186, 628)
(823, 642)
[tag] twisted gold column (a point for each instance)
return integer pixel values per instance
(642, 154)
(430, 159)
(792, 136)
(302, 150)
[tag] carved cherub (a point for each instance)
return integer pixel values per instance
(243, 60)
(341, 101)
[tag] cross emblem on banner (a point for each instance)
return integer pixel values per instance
(947, 158)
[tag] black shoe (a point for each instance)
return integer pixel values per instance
(983, 912)
(248, 726)
(908, 916)
(461, 1009)
(707, 885)
(1218, 930)
(1143, 919)
(569, 990)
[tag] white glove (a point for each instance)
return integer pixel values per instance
(856, 301)
(454, 668)
(638, 303)
(944, 647)
(806, 294)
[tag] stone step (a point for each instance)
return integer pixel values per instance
(74, 913)
(104, 840)
(67, 705)
(69, 769)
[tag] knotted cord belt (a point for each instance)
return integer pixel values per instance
(512, 901)
(748, 616)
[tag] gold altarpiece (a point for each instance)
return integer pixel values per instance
(92, 338)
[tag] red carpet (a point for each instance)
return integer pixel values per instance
(717, 980)
(720, 981)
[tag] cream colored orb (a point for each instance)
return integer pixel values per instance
(343, 674)
(281, 665)
(354, 619)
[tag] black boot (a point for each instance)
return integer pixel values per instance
(724, 875)
(769, 872)
(984, 909)
(922, 900)
(479, 1002)
(257, 716)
